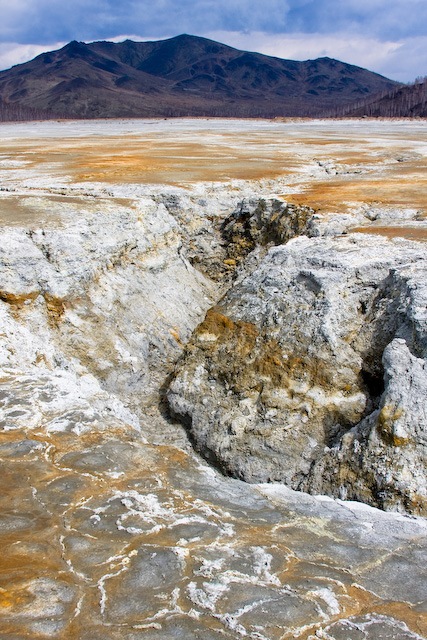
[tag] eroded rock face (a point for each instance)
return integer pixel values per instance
(382, 460)
(285, 375)
(116, 299)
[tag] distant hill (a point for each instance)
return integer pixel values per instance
(182, 76)
(407, 101)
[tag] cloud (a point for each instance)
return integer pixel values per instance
(407, 62)
(387, 36)
(41, 21)
(365, 52)
(14, 53)
(38, 21)
(385, 19)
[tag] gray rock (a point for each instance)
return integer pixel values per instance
(283, 374)
(368, 627)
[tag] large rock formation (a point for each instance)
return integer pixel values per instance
(294, 376)
(310, 371)
(181, 76)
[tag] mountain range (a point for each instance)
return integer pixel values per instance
(181, 76)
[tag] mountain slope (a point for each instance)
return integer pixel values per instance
(401, 102)
(185, 75)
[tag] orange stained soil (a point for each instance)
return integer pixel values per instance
(131, 160)
(408, 232)
(332, 173)
(341, 193)
(198, 156)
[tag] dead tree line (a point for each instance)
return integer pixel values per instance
(15, 112)
(401, 102)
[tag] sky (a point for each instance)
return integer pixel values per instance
(386, 36)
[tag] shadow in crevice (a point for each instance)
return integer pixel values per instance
(185, 421)
(374, 383)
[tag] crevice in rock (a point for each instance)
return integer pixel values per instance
(209, 455)
(374, 384)
(334, 427)
(217, 245)
(262, 223)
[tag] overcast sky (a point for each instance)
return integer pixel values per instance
(387, 36)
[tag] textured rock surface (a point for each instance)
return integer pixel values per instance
(105, 535)
(118, 298)
(110, 525)
(287, 371)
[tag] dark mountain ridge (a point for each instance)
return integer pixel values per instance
(182, 76)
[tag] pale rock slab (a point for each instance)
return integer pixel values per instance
(111, 296)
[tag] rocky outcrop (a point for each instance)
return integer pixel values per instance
(295, 375)
(219, 235)
(382, 460)
(260, 223)
(115, 300)
(289, 377)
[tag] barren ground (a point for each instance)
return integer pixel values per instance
(115, 529)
